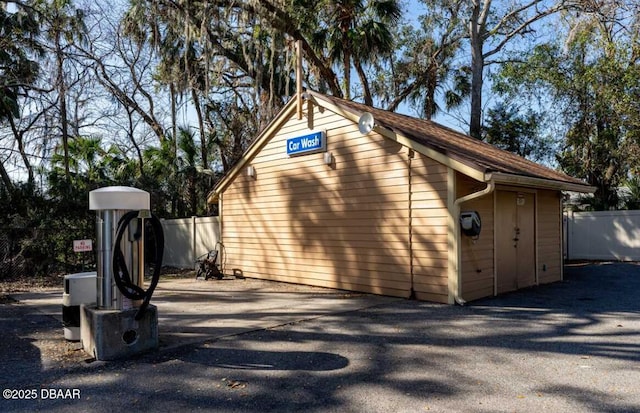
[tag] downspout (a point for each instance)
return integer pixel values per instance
(410, 155)
(563, 235)
(220, 223)
(456, 227)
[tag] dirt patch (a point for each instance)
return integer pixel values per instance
(55, 282)
(31, 285)
(56, 351)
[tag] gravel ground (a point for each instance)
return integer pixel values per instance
(568, 347)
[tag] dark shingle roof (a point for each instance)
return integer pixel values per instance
(455, 145)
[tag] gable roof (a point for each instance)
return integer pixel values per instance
(472, 157)
(478, 155)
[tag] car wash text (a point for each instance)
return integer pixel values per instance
(311, 143)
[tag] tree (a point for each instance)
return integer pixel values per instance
(231, 129)
(125, 70)
(354, 32)
(591, 82)
(63, 26)
(299, 21)
(192, 174)
(425, 63)
(490, 29)
(631, 200)
(515, 132)
(19, 31)
(213, 52)
(19, 51)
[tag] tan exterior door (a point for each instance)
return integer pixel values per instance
(515, 240)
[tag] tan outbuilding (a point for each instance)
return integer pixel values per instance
(337, 194)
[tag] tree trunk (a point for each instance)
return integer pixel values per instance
(193, 196)
(6, 180)
(347, 73)
(368, 99)
(174, 121)
(130, 134)
(62, 92)
(475, 123)
(19, 139)
(203, 140)
(477, 67)
(430, 106)
(344, 23)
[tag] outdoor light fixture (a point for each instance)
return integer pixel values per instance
(251, 171)
(328, 158)
(366, 123)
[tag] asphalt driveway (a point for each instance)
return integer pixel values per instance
(568, 347)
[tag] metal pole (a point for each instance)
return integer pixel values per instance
(120, 301)
(141, 243)
(99, 264)
(104, 270)
(137, 268)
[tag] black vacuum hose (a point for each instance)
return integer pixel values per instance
(120, 271)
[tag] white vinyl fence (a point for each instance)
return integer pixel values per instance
(603, 235)
(186, 239)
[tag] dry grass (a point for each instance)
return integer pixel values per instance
(55, 282)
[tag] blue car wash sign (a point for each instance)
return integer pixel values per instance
(311, 143)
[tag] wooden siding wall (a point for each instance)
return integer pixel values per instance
(375, 220)
(342, 226)
(477, 264)
(549, 240)
(429, 229)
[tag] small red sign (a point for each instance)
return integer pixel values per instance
(82, 245)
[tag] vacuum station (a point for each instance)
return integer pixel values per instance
(121, 322)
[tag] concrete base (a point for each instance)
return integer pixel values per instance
(115, 334)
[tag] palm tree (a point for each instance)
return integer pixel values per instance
(18, 70)
(187, 166)
(159, 176)
(360, 33)
(63, 26)
(178, 32)
(189, 171)
(427, 62)
(87, 162)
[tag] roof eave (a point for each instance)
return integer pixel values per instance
(529, 181)
(474, 171)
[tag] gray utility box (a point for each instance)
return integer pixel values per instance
(79, 288)
(116, 334)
